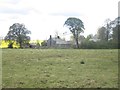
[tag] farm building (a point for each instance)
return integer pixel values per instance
(58, 42)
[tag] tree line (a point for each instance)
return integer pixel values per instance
(108, 35)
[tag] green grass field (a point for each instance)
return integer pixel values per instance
(59, 68)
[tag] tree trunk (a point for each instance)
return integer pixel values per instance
(20, 44)
(107, 33)
(20, 40)
(76, 39)
(77, 44)
(50, 40)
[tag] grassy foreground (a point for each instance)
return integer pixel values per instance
(58, 68)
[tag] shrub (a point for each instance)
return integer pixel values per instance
(10, 45)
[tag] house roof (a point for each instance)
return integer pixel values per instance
(60, 41)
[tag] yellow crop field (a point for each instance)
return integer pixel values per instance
(4, 44)
(36, 41)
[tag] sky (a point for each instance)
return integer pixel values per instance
(46, 17)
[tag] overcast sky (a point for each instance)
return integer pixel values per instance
(45, 17)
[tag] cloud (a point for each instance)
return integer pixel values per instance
(15, 7)
(10, 1)
(21, 11)
(66, 14)
(43, 17)
(6, 10)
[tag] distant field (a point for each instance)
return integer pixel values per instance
(59, 68)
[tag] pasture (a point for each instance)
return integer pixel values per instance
(59, 68)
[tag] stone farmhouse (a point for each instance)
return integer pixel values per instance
(58, 42)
